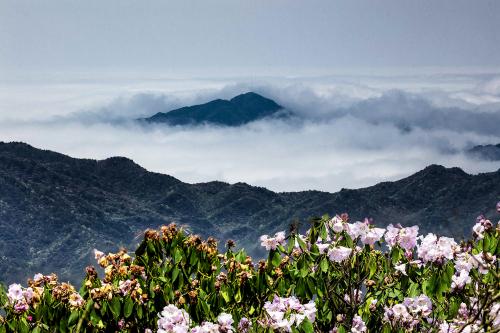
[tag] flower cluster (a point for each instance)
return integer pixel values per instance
(404, 237)
(469, 320)
(19, 297)
(339, 253)
(271, 243)
(436, 249)
(482, 224)
(283, 313)
(358, 325)
(408, 314)
(367, 234)
(224, 325)
(22, 298)
(175, 320)
(114, 264)
(466, 261)
(66, 293)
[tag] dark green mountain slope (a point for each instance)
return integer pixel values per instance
(55, 209)
(237, 111)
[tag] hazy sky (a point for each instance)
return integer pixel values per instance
(221, 35)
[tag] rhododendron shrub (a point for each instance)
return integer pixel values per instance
(337, 277)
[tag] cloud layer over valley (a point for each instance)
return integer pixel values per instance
(348, 130)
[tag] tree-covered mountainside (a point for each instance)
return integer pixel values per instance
(237, 111)
(55, 209)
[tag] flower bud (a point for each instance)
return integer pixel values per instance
(230, 243)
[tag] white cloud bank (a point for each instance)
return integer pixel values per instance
(351, 131)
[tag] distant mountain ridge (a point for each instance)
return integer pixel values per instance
(485, 152)
(55, 209)
(237, 111)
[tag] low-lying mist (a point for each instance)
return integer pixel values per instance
(346, 131)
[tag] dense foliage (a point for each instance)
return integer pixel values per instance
(338, 277)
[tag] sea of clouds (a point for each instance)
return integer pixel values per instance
(348, 131)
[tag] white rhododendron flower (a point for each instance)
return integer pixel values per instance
(271, 243)
(404, 237)
(401, 268)
(478, 230)
(339, 253)
(357, 229)
(372, 235)
(323, 248)
(15, 293)
(225, 321)
(173, 320)
(98, 254)
(433, 249)
(460, 280)
(337, 224)
(283, 313)
(358, 325)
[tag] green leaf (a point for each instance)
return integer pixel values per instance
(175, 274)
(177, 255)
(302, 244)
(324, 265)
(139, 312)
(276, 260)
(63, 326)
(128, 307)
(225, 296)
(307, 326)
(115, 307)
(237, 296)
(73, 318)
(373, 266)
(193, 260)
(291, 244)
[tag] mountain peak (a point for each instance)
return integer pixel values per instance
(437, 170)
(237, 111)
(249, 96)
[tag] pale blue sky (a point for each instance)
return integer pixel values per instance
(220, 35)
